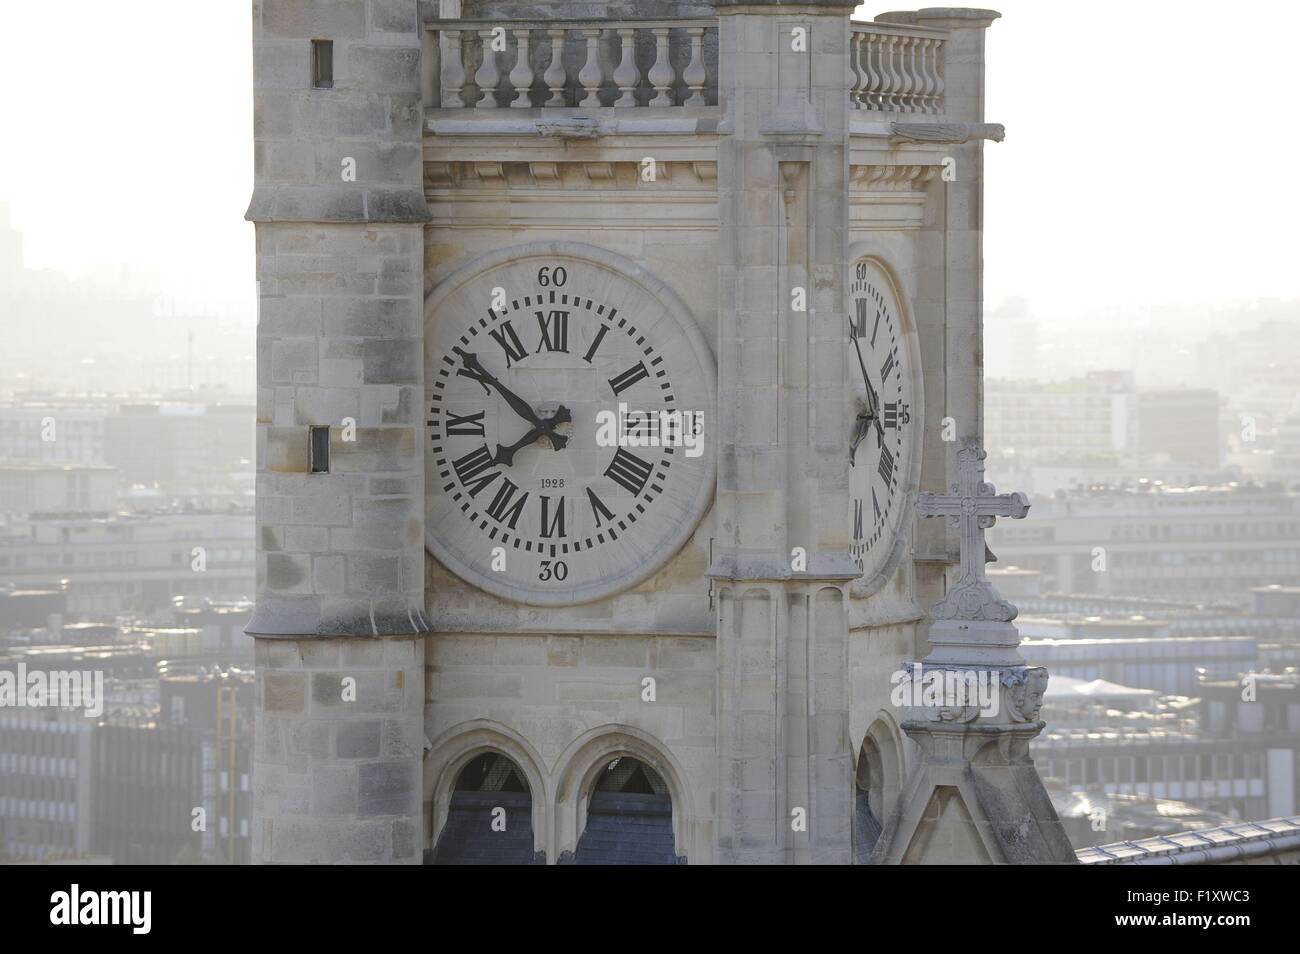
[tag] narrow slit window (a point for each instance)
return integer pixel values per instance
(319, 450)
(322, 64)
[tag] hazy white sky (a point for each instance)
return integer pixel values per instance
(1147, 156)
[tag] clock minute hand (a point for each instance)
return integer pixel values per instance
(857, 348)
(484, 377)
(872, 417)
(517, 404)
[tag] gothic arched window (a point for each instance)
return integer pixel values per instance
(629, 818)
(490, 818)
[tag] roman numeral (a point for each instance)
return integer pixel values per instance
(628, 378)
(629, 471)
(553, 526)
(886, 368)
(474, 470)
(886, 466)
(874, 328)
(598, 508)
(600, 336)
(509, 341)
(875, 504)
(891, 418)
(468, 426)
(859, 327)
(500, 508)
(857, 518)
(555, 331)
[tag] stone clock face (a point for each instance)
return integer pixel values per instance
(882, 476)
(569, 446)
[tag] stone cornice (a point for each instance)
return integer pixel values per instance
(779, 6)
(285, 203)
(832, 569)
(546, 124)
(471, 176)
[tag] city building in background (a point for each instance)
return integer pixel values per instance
(1148, 540)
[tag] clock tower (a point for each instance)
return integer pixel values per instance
(600, 364)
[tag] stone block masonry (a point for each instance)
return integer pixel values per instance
(340, 344)
(339, 736)
(340, 620)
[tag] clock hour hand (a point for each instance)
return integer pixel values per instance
(506, 455)
(873, 407)
(517, 404)
(861, 425)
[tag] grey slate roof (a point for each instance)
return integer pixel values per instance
(1230, 843)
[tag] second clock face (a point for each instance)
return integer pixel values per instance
(569, 446)
(881, 476)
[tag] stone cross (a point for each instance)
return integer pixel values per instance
(974, 506)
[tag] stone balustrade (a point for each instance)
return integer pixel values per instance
(896, 69)
(491, 64)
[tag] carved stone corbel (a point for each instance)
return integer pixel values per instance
(950, 133)
(544, 172)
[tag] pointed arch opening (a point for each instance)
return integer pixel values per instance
(489, 817)
(629, 817)
(877, 782)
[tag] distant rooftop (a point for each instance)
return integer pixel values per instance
(1213, 846)
(1145, 487)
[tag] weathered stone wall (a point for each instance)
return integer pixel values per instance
(372, 114)
(784, 754)
(338, 209)
(339, 340)
(338, 779)
(563, 704)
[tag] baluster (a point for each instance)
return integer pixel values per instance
(871, 87)
(938, 76)
(590, 75)
(488, 75)
(627, 75)
(921, 81)
(895, 80)
(882, 64)
(695, 76)
(855, 70)
(453, 71)
(430, 91)
(554, 76)
(661, 74)
(927, 76)
(521, 77)
(882, 73)
(907, 69)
